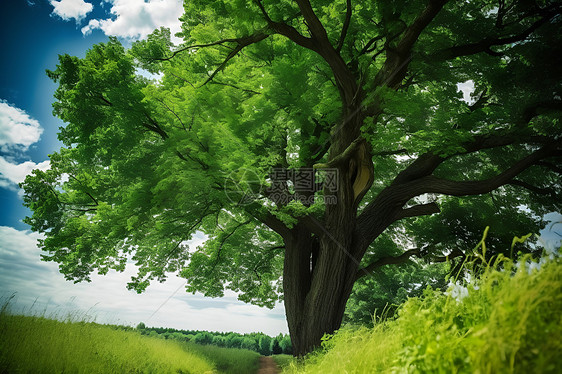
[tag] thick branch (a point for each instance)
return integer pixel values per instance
(418, 210)
(345, 26)
(417, 180)
(535, 189)
(291, 33)
(241, 44)
(315, 26)
(413, 32)
(486, 44)
(285, 30)
(319, 152)
(431, 184)
(537, 108)
(153, 126)
(391, 260)
(480, 102)
(398, 59)
(268, 219)
(346, 83)
(371, 45)
(218, 42)
(313, 225)
(345, 80)
(426, 163)
(404, 257)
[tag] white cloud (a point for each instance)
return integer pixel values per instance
(136, 19)
(17, 129)
(17, 132)
(11, 174)
(106, 298)
(68, 9)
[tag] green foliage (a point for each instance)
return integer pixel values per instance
(284, 344)
(264, 345)
(508, 321)
(203, 338)
(144, 161)
(379, 295)
(276, 347)
(464, 218)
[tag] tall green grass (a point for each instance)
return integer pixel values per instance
(227, 360)
(509, 321)
(40, 345)
(283, 360)
(35, 344)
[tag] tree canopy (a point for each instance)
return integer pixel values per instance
(162, 141)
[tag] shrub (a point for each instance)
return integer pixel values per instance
(508, 321)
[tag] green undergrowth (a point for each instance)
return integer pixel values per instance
(35, 344)
(507, 321)
(283, 360)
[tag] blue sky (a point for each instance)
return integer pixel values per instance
(34, 33)
(33, 38)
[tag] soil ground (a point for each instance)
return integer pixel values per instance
(268, 365)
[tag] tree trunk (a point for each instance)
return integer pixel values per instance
(320, 268)
(315, 296)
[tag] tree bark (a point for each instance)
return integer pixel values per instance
(318, 278)
(321, 257)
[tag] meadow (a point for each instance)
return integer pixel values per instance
(35, 344)
(504, 318)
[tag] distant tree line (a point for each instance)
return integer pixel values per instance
(259, 342)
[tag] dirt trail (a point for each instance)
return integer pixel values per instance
(268, 365)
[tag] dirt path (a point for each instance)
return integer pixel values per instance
(268, 365)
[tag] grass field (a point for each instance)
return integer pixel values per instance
(41, 345)
(510, 321)
(227, 360)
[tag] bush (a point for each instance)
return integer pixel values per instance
(264, 344)
(275, 347)
(508, 321)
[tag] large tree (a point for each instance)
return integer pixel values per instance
(294, 134)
